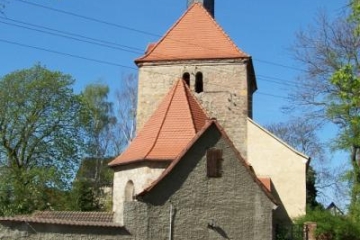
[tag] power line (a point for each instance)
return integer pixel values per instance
(90, 18)
(67, 54)
(264, 77)
(137, 30)
(72, 38)
(271, 95)
(280, 65)
(101, 61)
(73, 34)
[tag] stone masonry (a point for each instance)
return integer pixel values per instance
(189, 205)
(225, 96)
(142, 176)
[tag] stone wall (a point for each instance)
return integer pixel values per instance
(225, 95)
(36, 231)
(141, 174)
(189, 205)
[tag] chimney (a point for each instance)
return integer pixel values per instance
(209, 5)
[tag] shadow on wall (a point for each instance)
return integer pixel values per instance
(46, 230)
(280, 216)
(218, 229)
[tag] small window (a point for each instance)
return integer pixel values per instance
(129, 191)
(186, 78)
(199, 82)
(214, 162)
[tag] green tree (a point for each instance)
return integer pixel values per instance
(39, 138)
(332, 227)
(98, 124)
(86, 195)
(330, 88)
(126, 103)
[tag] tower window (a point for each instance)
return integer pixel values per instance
(199, 82)
(214, 162)
(186, 78)
(129, 191)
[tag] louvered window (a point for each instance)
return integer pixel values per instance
(186, 78)
(214, 162)
(199, 82)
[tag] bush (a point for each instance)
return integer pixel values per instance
(331, 227)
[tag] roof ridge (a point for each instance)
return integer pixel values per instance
(278, 139)
(222, 30)
(239, 52)
(186, 90)
(190, 94)
(166, 34)
(163, 120)
(177, 159)
(193, 140)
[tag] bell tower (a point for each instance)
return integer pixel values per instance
(220, 75)
(209, 5)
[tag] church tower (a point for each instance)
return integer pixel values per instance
(195, 73)
(197, 50)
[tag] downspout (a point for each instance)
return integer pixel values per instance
(170, 226)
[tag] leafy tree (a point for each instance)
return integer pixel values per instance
(344, 109)
(332, 227)
(97, 120)
(86, 195)
(39, 138)
(126, 101)
(330, 88)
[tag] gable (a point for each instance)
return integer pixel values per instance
(193, 156)
(235, 203)
(195, 36)
(271, 157)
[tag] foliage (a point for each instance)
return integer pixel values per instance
(98, 122)
(126, 101)
(97, 119)
(39, 138)
(345, 111)
(87, 194)
(330, 88)
(331, 227)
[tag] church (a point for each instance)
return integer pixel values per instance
(199, 167)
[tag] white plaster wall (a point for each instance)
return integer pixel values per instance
(286, 167)
(142, 176)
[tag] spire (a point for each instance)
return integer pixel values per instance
(209, 5)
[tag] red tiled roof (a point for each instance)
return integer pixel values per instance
(171, 127)
(95, 219)
(196, 35)
(266, 181)
(191, 143)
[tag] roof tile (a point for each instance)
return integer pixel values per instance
(171, 127)
(196, 35)
(265, 188)
(95, 219)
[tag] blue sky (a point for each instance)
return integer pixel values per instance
(263, 29)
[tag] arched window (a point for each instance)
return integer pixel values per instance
(186, 78)
(129, 191)
(199, 82)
